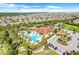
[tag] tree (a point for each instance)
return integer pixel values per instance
(55, 30)
(6, 35)
(29, 52)
(46, 46)
(74, 52)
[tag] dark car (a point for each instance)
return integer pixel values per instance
(78, 39)
(50, 44)
(55, 48)
(64, 53)
(77, 46)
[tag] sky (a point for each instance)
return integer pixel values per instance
(39, 7)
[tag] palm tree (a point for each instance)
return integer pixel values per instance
(29, 52)
(72, 52)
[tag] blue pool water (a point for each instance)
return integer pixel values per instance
(34, 37)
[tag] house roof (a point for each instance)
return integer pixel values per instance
(44, 30)
(61, 33)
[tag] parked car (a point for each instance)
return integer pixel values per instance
(55, 48)
(78, 39)
(64, 53)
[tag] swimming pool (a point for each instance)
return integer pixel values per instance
(34, 37)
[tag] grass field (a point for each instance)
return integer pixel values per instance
(72, 27)
(46, 52)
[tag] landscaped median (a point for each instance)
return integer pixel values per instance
(65, 39)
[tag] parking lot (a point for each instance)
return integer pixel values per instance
(72, 45)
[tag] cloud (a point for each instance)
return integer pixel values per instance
(35, 6)
(49, 6)
(12, 7)
(6, 5)
(38, 10)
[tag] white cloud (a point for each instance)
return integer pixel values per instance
(46, 10)
(39, 1)
(6, 5)
(53, 6)
(38, 10)
(11, 5)
(23, 6)
(31, 10)
(35, 6)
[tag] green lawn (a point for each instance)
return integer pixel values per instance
(46, 52)
(72, 27)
